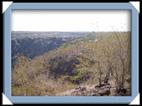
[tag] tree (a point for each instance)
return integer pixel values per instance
(123, 54)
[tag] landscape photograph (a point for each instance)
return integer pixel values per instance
(70, 53)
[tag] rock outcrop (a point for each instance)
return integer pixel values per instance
(94, 90)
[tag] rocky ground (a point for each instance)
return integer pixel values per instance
(106, 89)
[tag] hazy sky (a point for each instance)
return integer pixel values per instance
(53, 20)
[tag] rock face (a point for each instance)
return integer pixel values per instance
(79, 91)
(103, 90)
(95, 90)
(121, 92)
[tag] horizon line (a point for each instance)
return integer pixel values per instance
(70, 31)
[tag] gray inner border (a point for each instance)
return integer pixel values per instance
(71, 99)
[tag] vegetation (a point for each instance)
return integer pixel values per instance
(83, 61)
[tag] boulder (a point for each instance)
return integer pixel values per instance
(104, 92)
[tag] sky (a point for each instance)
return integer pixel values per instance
(67, 20)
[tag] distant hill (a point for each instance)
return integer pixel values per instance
(32, 34)
(33, 44)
